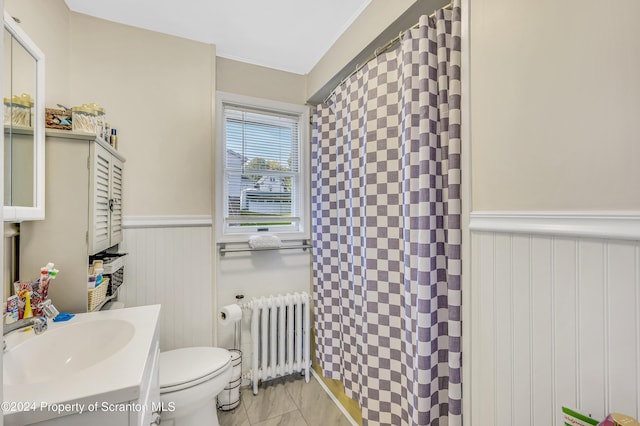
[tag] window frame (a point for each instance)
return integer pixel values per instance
(223, 232)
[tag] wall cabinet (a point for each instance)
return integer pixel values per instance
(105, 212)
(83, 184)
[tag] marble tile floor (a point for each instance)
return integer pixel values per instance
(286, 401)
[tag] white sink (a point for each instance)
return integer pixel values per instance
(95, 358)
(65, 351)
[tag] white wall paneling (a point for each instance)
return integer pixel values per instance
(169, 262)
(555, 321)
(256, 274)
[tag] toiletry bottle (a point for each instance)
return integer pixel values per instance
(113, 139)
(28, 313)
(12, 309)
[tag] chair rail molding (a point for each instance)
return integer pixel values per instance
(177, 221)
(619, 225)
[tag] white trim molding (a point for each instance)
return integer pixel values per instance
(301, 196)
(335, 400)
(465, 169)
(137, 222)
(620, 225)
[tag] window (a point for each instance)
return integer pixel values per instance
(261, 161)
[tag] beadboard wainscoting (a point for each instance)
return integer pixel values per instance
(555, 316)
(256, 274)
(169, 262)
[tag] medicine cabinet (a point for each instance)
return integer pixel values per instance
(23, 93)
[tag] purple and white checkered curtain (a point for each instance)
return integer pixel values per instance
(386, 227)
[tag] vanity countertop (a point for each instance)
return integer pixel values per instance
(115, 379)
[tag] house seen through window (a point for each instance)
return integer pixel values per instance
(262, 176)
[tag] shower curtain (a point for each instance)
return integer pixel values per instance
(386, 230)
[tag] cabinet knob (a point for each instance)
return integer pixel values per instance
(111, 202)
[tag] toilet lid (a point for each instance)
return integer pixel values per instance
(189, 366)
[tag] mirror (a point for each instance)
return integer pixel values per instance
(23, 75)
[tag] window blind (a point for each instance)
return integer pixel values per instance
(262, 168)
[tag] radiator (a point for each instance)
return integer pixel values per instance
(280, 331)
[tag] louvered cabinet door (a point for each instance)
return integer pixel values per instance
(99, 212)
(115, 221)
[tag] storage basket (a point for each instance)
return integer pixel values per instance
(17, 111)
(229, 398)
(113, 264)
(83, 119)
(97, 294)
(115, 281)
(57, 118)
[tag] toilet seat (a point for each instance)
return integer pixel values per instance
(187, 367)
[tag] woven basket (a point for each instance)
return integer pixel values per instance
(97, 294)
(53, 117)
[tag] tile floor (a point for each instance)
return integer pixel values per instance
(287, 401)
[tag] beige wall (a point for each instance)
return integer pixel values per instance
(47, 23)
(555, 105)
(156, 89)
(157, 92)
(373, 20)
(259, 82)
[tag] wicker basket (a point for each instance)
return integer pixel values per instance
(97, 294)
(53, 118)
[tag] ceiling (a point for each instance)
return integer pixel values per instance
(289, 35)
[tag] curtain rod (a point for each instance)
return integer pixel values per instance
(379, 51)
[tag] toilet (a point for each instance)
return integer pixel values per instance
(190, 380)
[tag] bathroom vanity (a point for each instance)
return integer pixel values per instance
(84, 178)
(99, 368)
